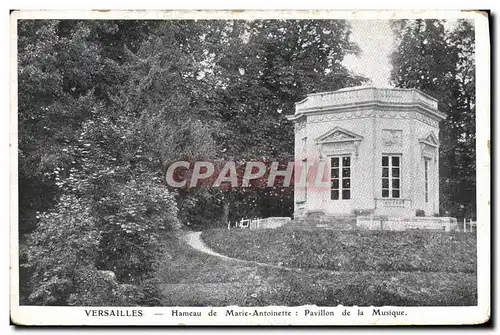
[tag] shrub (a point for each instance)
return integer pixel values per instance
(70, 248)
(135, 217)
(95, 288)
(61, 253)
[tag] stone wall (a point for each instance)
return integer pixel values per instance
(397, 223)
(268, 223)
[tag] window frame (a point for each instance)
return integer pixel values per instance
(341, 189)
(390, 178)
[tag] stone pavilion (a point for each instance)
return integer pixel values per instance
(380, 149)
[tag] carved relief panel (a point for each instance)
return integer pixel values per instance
(428, 152)
(392, 138)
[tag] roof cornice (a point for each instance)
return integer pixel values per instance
(354, 98)
(377, 105)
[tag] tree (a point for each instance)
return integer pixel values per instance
(64, 74)
(73, 148)
(258, 70)
(440, 62)
(200, 85)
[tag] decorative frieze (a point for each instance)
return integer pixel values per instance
(394, 115)
(341, 116)
(427, 120)
(373, 113)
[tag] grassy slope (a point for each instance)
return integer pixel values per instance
(350, 251)
(191, 278)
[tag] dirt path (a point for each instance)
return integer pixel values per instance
(194, 241)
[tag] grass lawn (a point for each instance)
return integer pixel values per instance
(349, 250)
(191, 278)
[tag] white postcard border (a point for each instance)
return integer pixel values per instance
(37, 315)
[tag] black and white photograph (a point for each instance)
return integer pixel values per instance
(269, 168)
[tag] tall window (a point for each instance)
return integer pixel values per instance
(426, 172)
(341, 177)
(391, 176)
(304, 171)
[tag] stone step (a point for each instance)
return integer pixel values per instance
(329, 221)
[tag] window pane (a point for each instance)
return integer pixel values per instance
(335, 161)
(346, 172)
(395, 183)
(395, 172)
(385, 172)
(395, 161)
(346, 183)
(395, 193)
(346, 194)
(385, 183)
(385, 161)
(335, 194)
(346, 161)
(335, 173)
(385, 193)
(335, 183)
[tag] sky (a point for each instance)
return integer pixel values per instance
(375, 39)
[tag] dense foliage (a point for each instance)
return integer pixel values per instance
(99, 207)
(340, 250)
(437, 57)
(106, 106)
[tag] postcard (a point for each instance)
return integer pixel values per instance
(250, 167)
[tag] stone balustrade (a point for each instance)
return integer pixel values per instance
(359, 95)
(407, 223)
(392, 202)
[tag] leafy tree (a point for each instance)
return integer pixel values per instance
(81, 153)
(258, 70)
(440, 62)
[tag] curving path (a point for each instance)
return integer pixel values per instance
(194, 241)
